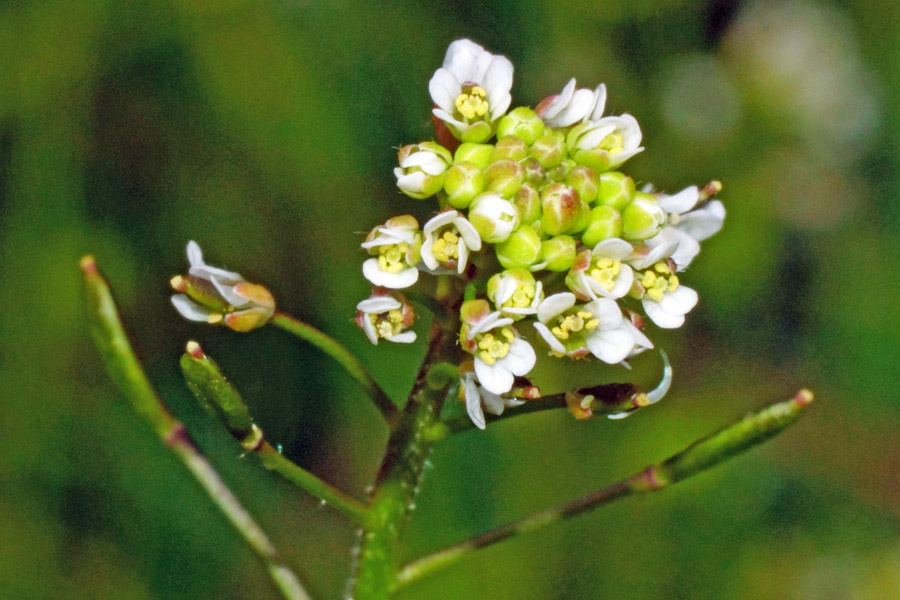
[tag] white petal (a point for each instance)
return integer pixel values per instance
(687, 249)
(704, 222)
(494, 378)
(554, 305)
(194, 254)
(659, 392)
(407, 337)
(505, 289)
(621, 157)
(599, 103)
(551, 340)
(369, 329)
(520, 359)
(468, 233)
(226, 292)
(623, 282)
(492, 403)
(463, 253)
(617, 416)
(593, 135)
(614, 248)
(444, 89)
(189, 309)
(658, 315)
(607, 312)
(378, 304)
(444, 218)
(681, 202)
(473, 403)
(577, 109)
(448, 118)
(610, 346)
(396, 281)
(557, 104)
(681, 301)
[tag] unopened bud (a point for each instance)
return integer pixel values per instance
(422, 168)
(521, 122)
(643, 217)
(606, 222)
(462, 183)
(477, 154)
(557, 254)
(616, 190)
(520, 249)
(535, 174)
(493, 217)
(549, 149)
(505, 177)
(509, 147)
(585, 181)
(562, 171)
(528, 204)
(562, 211)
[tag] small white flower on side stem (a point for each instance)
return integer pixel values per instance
(422, 169)
(449, 238)
(663, 297)
(396, 246)
(471, 90)
(606, 143)
(571, 106)
(500, 354)
(597, 328)
(515, 293)
(386, 315)
(212, 295)
(479, 401)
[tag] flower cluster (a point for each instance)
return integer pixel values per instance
(562, 239)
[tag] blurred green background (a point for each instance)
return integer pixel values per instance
(267, 132)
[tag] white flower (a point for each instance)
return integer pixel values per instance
(657, 393)
(480, 400)
(385, 315)
(396, 244)
(500, 354)
(663, 297)
(597, 327)
(605, 143)
(448, 240)
(494, 217)
(213, 295)
(571, 105)
(422, 168)
(471, 90)
(515, 293)
(602, 271)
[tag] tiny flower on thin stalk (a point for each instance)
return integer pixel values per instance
(471, 90)
(396, 246)
(663, 297)
(500, 354)
(386, 315)
(479, 400)
(602, 272)
(448, 240)
(515, 293)
(212, 295)
(597, 328)
(422, 169)
(606, 143)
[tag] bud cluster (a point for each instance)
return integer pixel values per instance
(542, 191)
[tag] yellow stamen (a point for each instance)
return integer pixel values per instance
(214, 318)
(472, 103)
(605, 271)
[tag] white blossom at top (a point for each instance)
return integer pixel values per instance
(471, 90)
(605, 143)
(571, 105)
(597, 327)
(480, 400)
(448, 238)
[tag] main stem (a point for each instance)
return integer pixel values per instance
(407, 450)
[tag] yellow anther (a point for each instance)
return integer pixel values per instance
(395, 315)
(473, 103)
(451, 237)
(612, 143)
(584, 314)
(385, 329)
(662, 267)
(486, 357)
(486, 341)
(214, 318)
(498, 349)
(592, 324)
(177, 283)
(559, 332)
(673, 283)
(605, 272)
(508, 333)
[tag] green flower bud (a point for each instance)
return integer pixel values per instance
(505, 177)
(509, 147)
(422, 169)
(528, 204)
(535, 174)
(616, 190)
(562, 171)
(462, 182)
(477, 154)
(606, 222)
(643, 217)
(521, 122)
(562, 211)
(520, 249)
(493, 217)
(557, 254)
(549, 149)
(585, 181)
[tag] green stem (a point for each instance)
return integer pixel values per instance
(699, 456)
(344, 358)
(404, 463)
(220, 398)
(126, 371)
